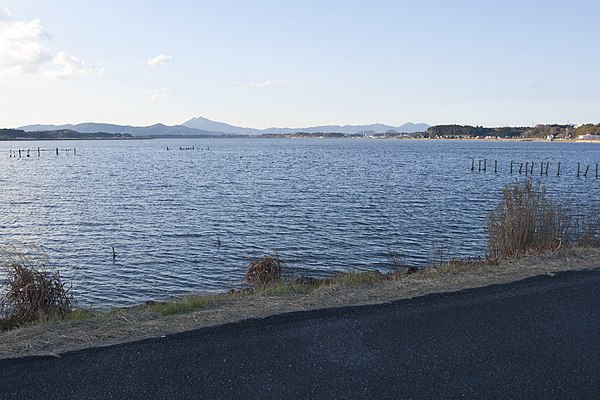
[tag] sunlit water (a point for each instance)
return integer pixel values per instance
(189, 221)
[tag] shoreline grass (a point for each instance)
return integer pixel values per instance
(525, 226)
(527, 221)
(89, 328)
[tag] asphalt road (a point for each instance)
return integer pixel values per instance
(538, 338)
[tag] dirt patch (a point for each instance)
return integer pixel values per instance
(132, 324)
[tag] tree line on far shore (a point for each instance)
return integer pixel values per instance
(539, 131)
(554, 131)
(19, 134)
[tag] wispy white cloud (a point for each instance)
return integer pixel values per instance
(157, 94)
(22, 52)
(70, 66)
(6, 12)
(158, 60)
(21, 48)
(264, 84)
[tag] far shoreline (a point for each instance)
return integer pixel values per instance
(368, 138)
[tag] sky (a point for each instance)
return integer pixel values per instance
(299, 63)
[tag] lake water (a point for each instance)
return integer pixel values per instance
(184, 221)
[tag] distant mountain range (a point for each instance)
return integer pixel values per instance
(203, 127)
(156, 130)
(207, 124)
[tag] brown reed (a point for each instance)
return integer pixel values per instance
(264, 271)
(527, 220)
(30, 291)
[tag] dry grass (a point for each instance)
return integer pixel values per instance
(264, 271)
(180, 306)
(527, 220)
(31, 290)
(280, 288)
(355, 278)
(137, 323)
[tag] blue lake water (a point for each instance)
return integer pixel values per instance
(189, 221)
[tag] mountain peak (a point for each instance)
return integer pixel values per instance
(200, 126)
(209, 125)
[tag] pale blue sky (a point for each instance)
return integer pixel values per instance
(299, 63)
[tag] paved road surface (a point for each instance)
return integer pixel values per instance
(538, 338)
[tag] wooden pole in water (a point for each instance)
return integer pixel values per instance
(30, 156)
(38, 151)
(511, 163)
(596, 170)
(585, 174)
(19, 153)
(479, 166)
(495, 166)
(558, 174)
(484, 165)
(520, 168)
(526, 167)
(74, 151)
(472, 163)
(57, 151)
(578, 169)
(541, 168)
(531, 168)
(547, 166)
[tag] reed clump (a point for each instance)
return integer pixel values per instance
(30, 291)
(527, 220)
(264, 271)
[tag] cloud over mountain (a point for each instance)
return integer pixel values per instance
(70, 66)
(266, 83)
(21, 45)
(22, 52)
(158, 60)
(156, 94)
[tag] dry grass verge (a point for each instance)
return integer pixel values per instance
(29, 289)
(117, 326)
(527, 221)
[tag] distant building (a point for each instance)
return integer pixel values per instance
(588, 137)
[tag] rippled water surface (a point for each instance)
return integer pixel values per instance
(186, 221)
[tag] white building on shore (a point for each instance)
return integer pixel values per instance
(588, 137)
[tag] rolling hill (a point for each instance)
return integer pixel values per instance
(203, 127)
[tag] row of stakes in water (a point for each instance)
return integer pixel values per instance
(528, 168)
(27, 152)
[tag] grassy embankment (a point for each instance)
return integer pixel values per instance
(529, 234)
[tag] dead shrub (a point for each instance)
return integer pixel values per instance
(264, 271)
(527, 220)
(29, 290)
